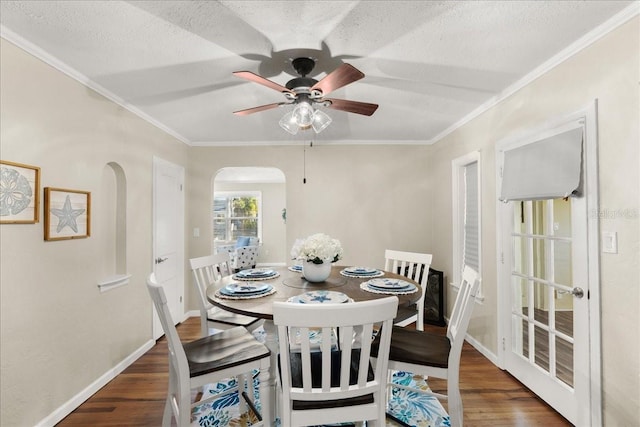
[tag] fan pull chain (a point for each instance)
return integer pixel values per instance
(304, 162)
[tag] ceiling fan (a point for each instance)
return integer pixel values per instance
(306, 93)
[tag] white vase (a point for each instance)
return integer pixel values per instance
(316, 272)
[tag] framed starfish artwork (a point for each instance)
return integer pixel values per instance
(19, 193)
(67, 214)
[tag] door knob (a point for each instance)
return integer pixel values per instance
(577, 292)
(160, 260)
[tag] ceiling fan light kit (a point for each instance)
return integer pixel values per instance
(305, 93)
(304, 117)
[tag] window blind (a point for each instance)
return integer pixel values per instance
(471, 244)
(546, 169)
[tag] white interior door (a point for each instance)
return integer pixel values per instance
(168, 237)
(548, 278)
(547, 344)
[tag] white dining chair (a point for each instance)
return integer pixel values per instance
(208, 360)
(434, 355)
(414, 266)
(207, 270)
(325, 385)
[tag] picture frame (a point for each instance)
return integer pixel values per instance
(67, 214)
(19, 193)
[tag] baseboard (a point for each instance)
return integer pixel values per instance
(192, 313)
(483, 350)
(70, 405)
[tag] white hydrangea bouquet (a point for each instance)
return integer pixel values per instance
(317, 248)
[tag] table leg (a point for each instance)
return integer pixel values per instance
(271, 341)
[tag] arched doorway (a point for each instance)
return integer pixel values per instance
(251, 202)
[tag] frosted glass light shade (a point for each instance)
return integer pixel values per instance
(304, 117)
(288, 123)
(303, 114)
(320, 121)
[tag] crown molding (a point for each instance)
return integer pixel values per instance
(579, 45)
(54, 62)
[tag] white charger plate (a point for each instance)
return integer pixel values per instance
(389, 284)
(320, 297)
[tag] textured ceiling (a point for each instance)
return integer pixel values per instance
(428, 64)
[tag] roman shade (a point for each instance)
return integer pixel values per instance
(545, 169)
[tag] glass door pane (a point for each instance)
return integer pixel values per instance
(542, 308)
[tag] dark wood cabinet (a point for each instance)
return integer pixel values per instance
(434, 298)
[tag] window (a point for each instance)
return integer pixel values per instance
(236, 214)
(466, 214)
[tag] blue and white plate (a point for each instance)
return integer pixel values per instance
(256, 273)
(390, 284)
(320, 297)
(297, 268)
(245, 290)
(361, 271)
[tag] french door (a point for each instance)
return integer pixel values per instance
(547, 346)
(548, 280)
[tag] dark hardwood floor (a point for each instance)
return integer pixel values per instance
(491, 397)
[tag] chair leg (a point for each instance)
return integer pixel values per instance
(454, 405)
(166, 415)
(242, 386)
(265, 396)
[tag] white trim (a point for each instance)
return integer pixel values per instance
(478, 346)
(457, 165)
(303, 141)
(571, 50)
(593, 259)
(191, 313)
(588, 116)
(76, 75)
(580, 44)
(70, 405)
(493, 358)
(257, 194)
(114, 282)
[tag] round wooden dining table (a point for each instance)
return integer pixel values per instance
(289, 284)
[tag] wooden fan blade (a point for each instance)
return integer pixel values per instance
(253, 77)
(363, 108)
(341, 76)
(258, 109)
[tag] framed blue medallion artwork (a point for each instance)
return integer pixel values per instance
(19, 193)
(67, 214)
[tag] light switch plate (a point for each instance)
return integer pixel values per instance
(610, 242)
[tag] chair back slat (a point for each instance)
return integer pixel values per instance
(207, 270)
(353, 323)
(177, 358)
(411, 264)
(462, 308)
(415, 266)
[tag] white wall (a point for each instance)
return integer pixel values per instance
(608, 71)
(58, 333)
(368, 197)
